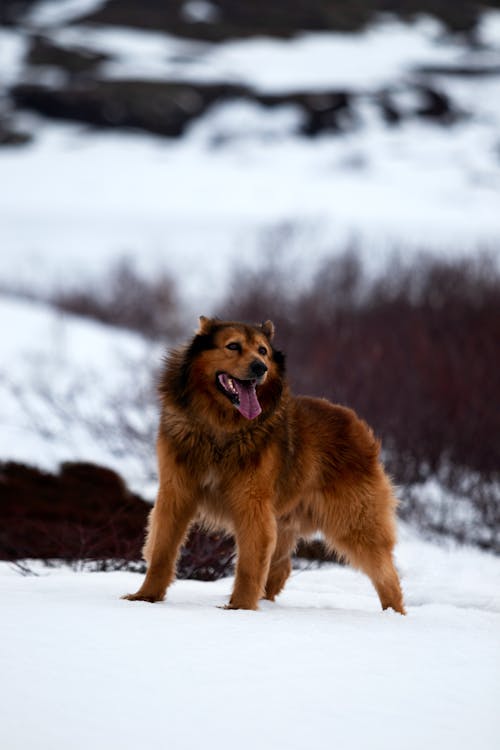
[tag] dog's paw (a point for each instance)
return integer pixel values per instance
(270, 596)
(238, 605)
(140, 597)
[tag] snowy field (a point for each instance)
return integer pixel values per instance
(75, 199)
(321, 667)
(75, 390)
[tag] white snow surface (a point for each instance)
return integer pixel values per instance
(74, 200)
(320, 667)
(323, 666)
(75, 390)
(46, 14)
(310, 61)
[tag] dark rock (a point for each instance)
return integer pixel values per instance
(279, 18)
(327, 112)
(44, 52)
(12, 11)
(388, 109)
(167, 108)
(461, 71)
(161, 108)
(436, 105)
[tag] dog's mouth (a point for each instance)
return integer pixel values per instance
(241, 393)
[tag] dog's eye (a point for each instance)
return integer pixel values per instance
(262, 350)
(234, 345)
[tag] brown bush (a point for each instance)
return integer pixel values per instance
(85, 514)
(127, 299)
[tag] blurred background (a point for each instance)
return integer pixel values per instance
(334, 166)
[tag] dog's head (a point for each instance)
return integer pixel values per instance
(230, 369)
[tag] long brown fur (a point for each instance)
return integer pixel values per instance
(303, 465)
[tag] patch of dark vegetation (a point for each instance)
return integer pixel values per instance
(86, 515)
(206, 557)
(84, 512)
(226, 19)
(316, 549)
(415, 353)
(127, 299)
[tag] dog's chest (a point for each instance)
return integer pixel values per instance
(210, 480)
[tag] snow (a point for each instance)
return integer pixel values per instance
(77, 200)
(200, 11)
(199, 206)
(13, 47)
(489, 28)
(312, 61)
(68, 390)
(47, 13)
(321, 666)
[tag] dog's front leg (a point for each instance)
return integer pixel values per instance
(255, 527)
(168, 523)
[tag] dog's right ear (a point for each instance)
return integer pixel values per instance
(267, 329)
(205, 325)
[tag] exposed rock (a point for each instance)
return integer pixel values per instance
(168, 108)
(11, 11)
(226, 19)
(436, 105)
(44, 52)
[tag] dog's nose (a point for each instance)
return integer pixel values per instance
(258, 368)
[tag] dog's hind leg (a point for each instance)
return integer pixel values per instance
(379, 566)
(281, 564)
(376, 561)
(360, 523)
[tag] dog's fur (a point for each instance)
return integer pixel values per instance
(299, 466)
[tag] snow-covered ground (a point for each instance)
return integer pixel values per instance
(321, 667)
(75, 390)
(308, 62)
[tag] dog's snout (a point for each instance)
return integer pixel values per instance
(258, 368)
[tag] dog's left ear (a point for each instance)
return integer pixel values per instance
(205, 325)
(267, 329)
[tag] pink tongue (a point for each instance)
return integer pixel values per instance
(249, 405)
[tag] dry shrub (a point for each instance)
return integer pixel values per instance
(85, 515)
(125, 298)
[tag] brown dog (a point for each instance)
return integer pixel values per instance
(236, 450)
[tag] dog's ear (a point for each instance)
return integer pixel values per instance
(267, 329)
(205, 325)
